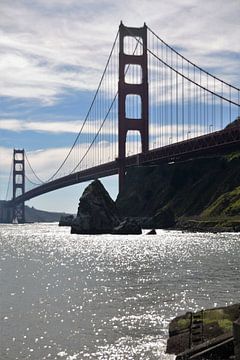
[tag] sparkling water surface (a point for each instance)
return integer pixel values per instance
(73, 297)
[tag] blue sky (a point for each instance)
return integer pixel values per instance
(52, 57)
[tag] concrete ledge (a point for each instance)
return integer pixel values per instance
(236, 334)
(221, 347)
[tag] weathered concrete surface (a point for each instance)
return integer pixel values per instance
(216, 322)
(219, 348)
(236, 334)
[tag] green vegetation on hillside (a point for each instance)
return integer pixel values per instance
(227, 204)
(222, 317)
(203, 192)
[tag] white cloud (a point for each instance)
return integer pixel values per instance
(5, 159)
(48, 47)
(44, 54)
(57, 127)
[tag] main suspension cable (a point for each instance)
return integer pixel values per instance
(186, 77)
(190, 62)
(86, 117)
(104, 120)
(34, 173)
(32, 182)
(92, 103)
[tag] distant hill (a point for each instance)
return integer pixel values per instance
(34, 215)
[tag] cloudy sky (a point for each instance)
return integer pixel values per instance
(52, 56)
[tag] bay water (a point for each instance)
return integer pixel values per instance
(70, 297)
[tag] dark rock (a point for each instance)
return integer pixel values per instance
(205, 187)
(151, 232)
(128, 227)
(97, 213)
(66, 220)
(147, 223)
(164, 218)
(144, 222)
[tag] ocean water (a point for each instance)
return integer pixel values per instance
(73, 297)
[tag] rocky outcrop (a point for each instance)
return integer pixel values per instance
(66, 220)
(128, 227)
(151, 232)
(164, 218)
(97, 212)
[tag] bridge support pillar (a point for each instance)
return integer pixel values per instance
(18, 185)
(139, 89)
(5, 212)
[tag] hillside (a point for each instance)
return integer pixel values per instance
(34, 215)
(203, 192)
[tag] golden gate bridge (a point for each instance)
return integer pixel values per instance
(152, 105)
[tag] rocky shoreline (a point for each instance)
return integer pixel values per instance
(209, 225)
(99, 214)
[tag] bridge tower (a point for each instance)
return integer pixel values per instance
(124, 89)
(18, 184)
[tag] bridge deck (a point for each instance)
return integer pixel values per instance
(213, 142)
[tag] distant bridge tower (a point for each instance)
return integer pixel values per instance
(18, 184)
(124, 89)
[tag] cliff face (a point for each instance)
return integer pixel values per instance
(204, 187)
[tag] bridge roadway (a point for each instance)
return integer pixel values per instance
(187, 149)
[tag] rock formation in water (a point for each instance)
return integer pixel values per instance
(128, 227)
(97, 212)
(66, 220)
(151, 232)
